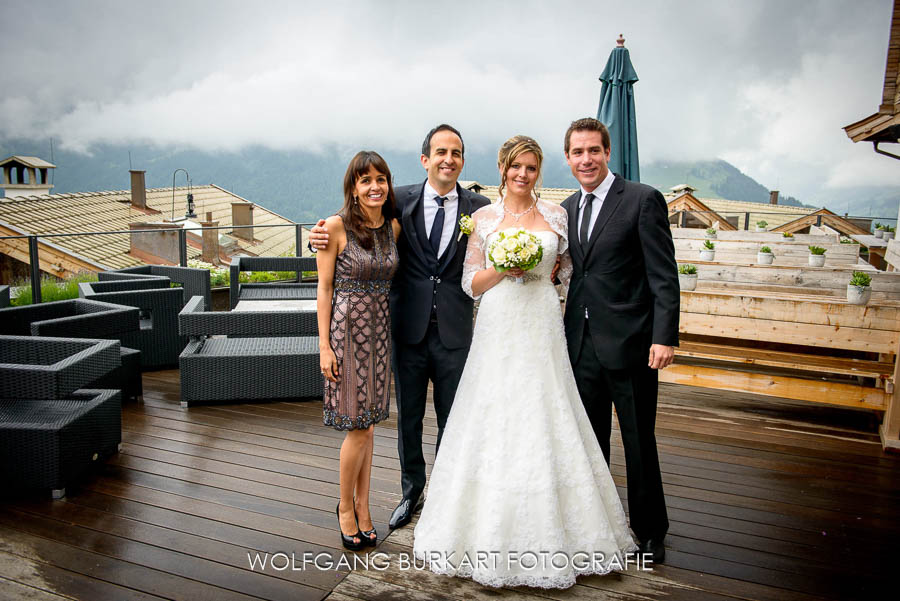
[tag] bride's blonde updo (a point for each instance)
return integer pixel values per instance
(508, 153)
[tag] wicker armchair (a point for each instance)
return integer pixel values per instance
(268, 355)
(271, 290)
(81, 318)
(4, 296)
(159, 304)
(51, 432)
(194, 281)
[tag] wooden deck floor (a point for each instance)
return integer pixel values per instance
(767, 501)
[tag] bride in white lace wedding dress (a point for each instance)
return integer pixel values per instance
(520, 493)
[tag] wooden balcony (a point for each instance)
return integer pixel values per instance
(767, 498)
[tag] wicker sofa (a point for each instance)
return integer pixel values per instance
(248, 355)
(4, 296)
(80, 318)
(51, 429)
(159, 304)
(271, 290)
(194, 281)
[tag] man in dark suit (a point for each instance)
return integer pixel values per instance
(621, 315)
(431, 316)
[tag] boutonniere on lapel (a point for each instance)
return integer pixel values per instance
(466, 226)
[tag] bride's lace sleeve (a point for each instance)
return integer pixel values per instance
(558, 220)
(485, 220)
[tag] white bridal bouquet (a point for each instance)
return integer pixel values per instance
(515, 247)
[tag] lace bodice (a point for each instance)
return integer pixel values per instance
(486, 221)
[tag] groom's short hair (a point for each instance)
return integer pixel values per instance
(587, 124)
(426, 145)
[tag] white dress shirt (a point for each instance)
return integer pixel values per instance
(451, 207)
(599, 193)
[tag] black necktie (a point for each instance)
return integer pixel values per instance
(585, 220)
(437, 228)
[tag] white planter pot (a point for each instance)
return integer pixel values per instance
(710, 236)
(858, 295)
(761, 229)
(765, 258)
(707, 255)
(816, 260)
(688, 281)
(879, 233)
(888, 235)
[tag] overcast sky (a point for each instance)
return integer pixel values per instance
(766, 85)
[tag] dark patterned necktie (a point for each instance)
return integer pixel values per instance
(437, 228)
(586, 220)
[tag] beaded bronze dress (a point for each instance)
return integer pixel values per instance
(360, 332)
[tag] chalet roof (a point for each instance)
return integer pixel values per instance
(884, 125)
(828, 218)
(34, 162)
(112, 210)
(703, 212)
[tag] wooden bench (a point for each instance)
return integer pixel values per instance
(786, 253)
(830, 280)
(802, 347)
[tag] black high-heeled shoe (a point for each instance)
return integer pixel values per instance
(348, 540)
(370, 537)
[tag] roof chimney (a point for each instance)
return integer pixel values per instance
(138, 189)
(25, 176)
(773, 197)
(242, 214)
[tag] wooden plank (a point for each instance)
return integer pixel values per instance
(892, 256)
(748, 328)
(22, 577)
(815, 363)
(110, 569)
(801, 310)
(833, 393)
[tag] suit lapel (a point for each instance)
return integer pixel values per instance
(612, 200)
(462, 207)
(411, 229)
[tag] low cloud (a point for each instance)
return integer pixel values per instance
(764, 85)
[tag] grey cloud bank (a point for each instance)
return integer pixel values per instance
(765, 85)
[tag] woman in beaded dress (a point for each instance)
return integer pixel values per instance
(355, 272)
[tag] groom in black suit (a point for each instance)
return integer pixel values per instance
(431, 316)
(621, 315)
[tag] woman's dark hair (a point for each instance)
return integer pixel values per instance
(351, 212)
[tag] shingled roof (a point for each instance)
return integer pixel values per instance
(113, 211)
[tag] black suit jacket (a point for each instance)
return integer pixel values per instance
(423, 279)
(627, 278)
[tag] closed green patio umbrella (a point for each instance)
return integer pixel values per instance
(616, 111)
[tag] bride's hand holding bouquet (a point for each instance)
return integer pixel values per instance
(516, 251)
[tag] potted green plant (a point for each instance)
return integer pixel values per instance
(765, 256)
(711, 232)
(761, 225)
(888, 232)
(879, 230)
(687, 276)
(787, 235)
(708, 251)
(859, 290)
(816, 256)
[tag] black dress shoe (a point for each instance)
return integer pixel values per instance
(404, 511)
(653, 547)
